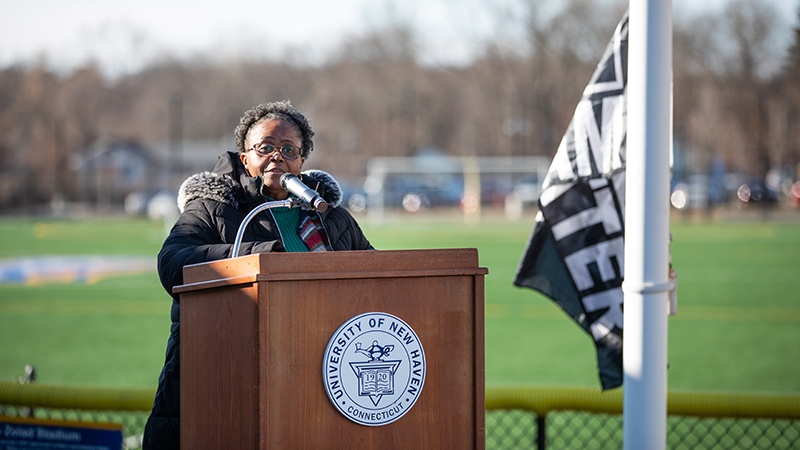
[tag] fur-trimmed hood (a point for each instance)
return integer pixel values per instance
(223, 188)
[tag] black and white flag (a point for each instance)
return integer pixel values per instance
(575, 252)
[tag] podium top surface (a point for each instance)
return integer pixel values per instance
(343, 264)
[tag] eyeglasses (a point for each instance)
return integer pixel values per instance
(287, 151)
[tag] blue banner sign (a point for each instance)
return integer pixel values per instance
(23, 434)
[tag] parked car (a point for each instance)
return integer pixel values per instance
(756, 191)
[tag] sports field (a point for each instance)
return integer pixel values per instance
(83, 321)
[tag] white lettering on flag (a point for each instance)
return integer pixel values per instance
(587, 138)
(605, 212)
(601, 253)
(614, 125)
(613, 317)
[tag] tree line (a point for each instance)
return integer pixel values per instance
(736, 98)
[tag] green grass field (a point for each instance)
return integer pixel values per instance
(738, 327)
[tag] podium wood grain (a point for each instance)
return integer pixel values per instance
(255, 329)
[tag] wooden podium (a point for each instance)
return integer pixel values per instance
(255, 331)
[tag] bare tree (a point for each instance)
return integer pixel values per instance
(27, 130)
(373, 96)
(790, 81)
(723, 89)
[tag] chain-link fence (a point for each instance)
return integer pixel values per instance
(516, 418)
(520, 429)
(576, 418)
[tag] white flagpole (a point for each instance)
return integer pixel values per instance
(646, 282)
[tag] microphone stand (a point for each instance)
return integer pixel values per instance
(288, 203)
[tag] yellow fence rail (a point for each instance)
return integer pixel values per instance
(537, 399)
(517, 416)
(542, 400)
(35, 395)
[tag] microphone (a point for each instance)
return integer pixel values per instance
(291, 183)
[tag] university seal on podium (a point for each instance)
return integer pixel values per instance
(374, 368)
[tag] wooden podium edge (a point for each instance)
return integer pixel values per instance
(297, 276)
(480, 361)
(222, 282)
(340, 261)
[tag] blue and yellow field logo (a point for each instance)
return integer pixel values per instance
(374, 368)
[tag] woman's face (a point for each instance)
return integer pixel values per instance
(278, 133)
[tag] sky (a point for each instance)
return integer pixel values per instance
(124, 34)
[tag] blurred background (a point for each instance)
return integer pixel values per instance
(428, 112)
(106, 105)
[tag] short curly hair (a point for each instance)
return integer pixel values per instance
(280, 111)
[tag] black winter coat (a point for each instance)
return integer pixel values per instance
(213, 205)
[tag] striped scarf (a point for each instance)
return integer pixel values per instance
(312, 232)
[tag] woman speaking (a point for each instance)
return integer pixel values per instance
(272, 139)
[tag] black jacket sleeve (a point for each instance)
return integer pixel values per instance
(344, 232)
(204, 232)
